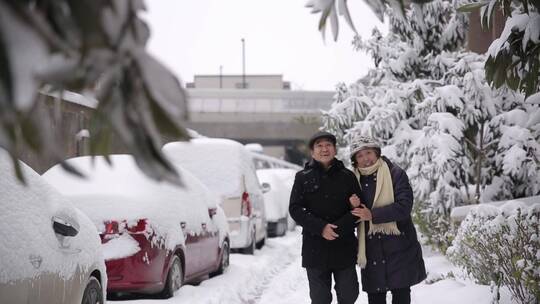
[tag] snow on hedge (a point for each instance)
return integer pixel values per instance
(29, 245)
(122, 192)
(459, 213)
(499, 245)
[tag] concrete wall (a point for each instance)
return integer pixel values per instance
(280, 119)
(480, 40)
(67, 119)
(259, 132)
(267, 82)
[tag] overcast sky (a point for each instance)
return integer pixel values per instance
(197, 36)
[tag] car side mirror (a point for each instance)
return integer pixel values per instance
(212, 212)
(64, 228)
(265, 187)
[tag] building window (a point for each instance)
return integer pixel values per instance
(238, 85)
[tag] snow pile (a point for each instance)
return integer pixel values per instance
(29, 245)
(223, 165)
(120, 247)
(507, 207)
(121, 192)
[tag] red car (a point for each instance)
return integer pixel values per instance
(155, 236)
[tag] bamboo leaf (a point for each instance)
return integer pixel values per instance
(471, 7)
(324, 17)
(17, 168)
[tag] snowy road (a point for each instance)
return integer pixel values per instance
(274, 275)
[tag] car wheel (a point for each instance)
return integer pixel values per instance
(175, 278)
(93, 294)
(250, 249)
(284, 225)
(260, 244)
(224, 262)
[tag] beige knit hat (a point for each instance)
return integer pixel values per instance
(363, 142)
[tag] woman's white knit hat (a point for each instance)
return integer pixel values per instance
(362, 142)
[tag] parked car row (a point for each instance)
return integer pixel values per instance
(118, 231)
(156, 236)
(227, 168)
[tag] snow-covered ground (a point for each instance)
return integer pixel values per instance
(274, 275)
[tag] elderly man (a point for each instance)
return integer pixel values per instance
(389, 253)
(320, 204)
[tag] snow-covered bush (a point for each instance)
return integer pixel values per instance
(501, 247)
(437, 229)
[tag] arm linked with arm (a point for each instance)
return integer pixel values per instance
(348, 221)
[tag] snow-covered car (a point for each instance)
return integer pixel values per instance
(226, 167)
(50, 251)
(276, 201)
(288, 176)
(263, 161)
(156, 235)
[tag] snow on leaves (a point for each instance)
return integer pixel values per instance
(96, 48)
(501, 245)
(513, 59)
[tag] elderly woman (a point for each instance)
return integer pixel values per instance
(388, 251)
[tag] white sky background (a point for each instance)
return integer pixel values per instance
(282, 37)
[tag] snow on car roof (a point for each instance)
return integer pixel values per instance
(28, 245)
(217, 162)
(123, 192)
(277, 199)
(275, 202)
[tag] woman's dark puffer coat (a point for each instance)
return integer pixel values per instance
(392, 261)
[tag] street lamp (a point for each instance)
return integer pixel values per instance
(243, 64)
(220, 76)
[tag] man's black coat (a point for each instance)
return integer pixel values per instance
(320, 197)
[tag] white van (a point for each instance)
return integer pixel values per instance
(226, 167)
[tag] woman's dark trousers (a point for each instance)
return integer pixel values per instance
(399, 296)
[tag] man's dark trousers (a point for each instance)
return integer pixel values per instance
(320, 285)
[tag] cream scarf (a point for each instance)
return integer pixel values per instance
(384, 196)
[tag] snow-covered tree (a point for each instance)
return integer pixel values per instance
(514, 156)
(513, 59)
(96, 48)
(429, 103)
